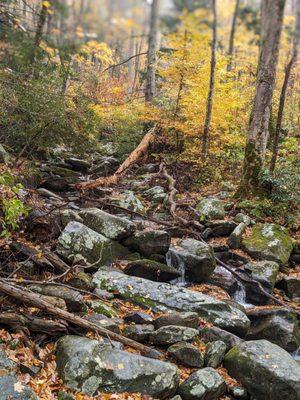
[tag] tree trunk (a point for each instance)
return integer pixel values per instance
(288, 70)
(211, 83)
(271, 26)
(151, 55)
(39, 31)
(232, 35)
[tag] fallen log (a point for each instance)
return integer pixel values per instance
(36, 300)
(137, 153)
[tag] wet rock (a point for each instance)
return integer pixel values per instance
(276, 325)
(269, 242)
(78, 164)
(108, 225)
(240, 217)
(205, 384)
(171, 334)
(196, 257)
(80, 244)
(291, 286)
(215, 334)
(187, 354)
(4, 156)
(162, 297)
(235, 238)
(211, 208)
(149, 242)
(138, 317)
(215, 353)
(90, 367)
(188, 319)
(139, 333)
(222, 278)
(220, 228)
(152, 270)
(265, 370)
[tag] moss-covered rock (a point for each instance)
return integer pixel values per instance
(187, 354)
(264, 271)
(211, 208)
(215, 353)
(102, 308)
(171, 334)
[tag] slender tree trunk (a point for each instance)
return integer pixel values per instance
(152, 49)
(210, 97)
(271, 26)
(39, 31)
(288, 71)
(232, 35)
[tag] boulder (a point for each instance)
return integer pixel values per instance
(269, 242)
(265, 370)
(291, 286)
(91, 367)
(264, 271)
(171, 334)
(108, 225)
(240, 217)
(57, 183)
(211, 334)
(139, 333)
(163, 297)
(69, 215)
(187, 354)
(138, 317)
(78, 244)
(149, 242)
(211, 208)
(129, 201)
(156, 194)
(153, 270)
(215, 353)
(101, 307)
(78, 164)
(224, 279)
(112, 324)
(205, 384)
(4, 156)
(219, 228)
(235, 239)
(188, 319)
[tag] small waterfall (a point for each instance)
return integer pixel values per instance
(174, 259)
(296, 355)
(240, 296)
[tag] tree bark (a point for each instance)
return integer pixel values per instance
(232, 35)
(288, 71)
(210, 97)
(271, 27)
(39, 31)
(150, 91)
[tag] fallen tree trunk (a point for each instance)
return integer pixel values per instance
(137, 153)
(36, 300)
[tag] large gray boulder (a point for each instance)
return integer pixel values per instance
(153, 270)
(149, 242)
(108, 225)
(267, 371)
(291, 286)
(264, 271)
(269, 242)
(211, 208)
(187, 354)
(79, 244)
(163, 297)
(91, 367)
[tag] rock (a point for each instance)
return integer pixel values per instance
(162, 297)
(102, 308)
(149, 242)
(152, 270)
(195, 257)
(129, 201)
(265, 370)
(269, 242)
(139, 333)
(105, 166)
(177, 397)
(86, 365)
(214, 333)
(103, 294)
(240, 217)
(215, 353)
(235, 238)
(171, 334)
(78, 164)
(220, 228)
(187, 354)
(138, 317)
(4, 156)
(111, 324)
(74, 300)
(277, 325)
(224, 279)
(188, 319)
(47, 194)
(205, 384)
(211, 208)
(156, 194)
(68, 215)
(291, 286)
(265, 272)
(239, 393)
(108, 225)
(78, 243)
(56, 183)
(82, 280)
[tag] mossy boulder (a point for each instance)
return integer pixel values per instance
(265, 370)
(153, 270)
(211, 208)
(171, 334)
(149, 242)
(187, 354)
(264, 271)
(269, 242)
(215, 353)
(102, 308)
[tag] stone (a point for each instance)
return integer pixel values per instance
(91, 367)
(211, 208)
(188, 319)
(149, 242)
(215, 353)
(186, 354)
(264, 271)
(205, 384)
(240, 217)
(129, 201)
(171, 334)
(235, 239)
(291, 286)
(156, 194)
(195, 257)
(153, 270)
(265, 370)
(78, 243)
(56, 183)
(239, 393)
(69, 215)
(224, 279)
(163, 297)
(211, 334)
(269, 242)
(108, 225)
(104, 294)
(47, 194)
(78, 164)
(139, 333)
(138, 317)
(112, 324)
(220, 228)
(102, 308)
(82, 280)
(4, 156)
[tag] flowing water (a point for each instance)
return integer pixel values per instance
(174, 259)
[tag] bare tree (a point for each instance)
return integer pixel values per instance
(271, 26)
(152, 52)
(210, 97)
(39, 30)
(288, 71)
(232, 34)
